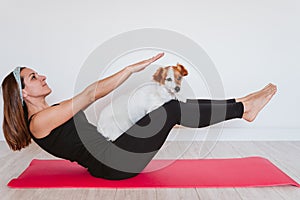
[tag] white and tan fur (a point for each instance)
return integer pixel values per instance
(125, 111)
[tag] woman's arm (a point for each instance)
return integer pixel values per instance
(103, 87)
(46, 120)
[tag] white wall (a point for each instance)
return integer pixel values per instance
(250, 42)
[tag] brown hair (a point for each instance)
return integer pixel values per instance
(14, 126)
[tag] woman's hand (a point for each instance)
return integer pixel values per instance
(139, 66)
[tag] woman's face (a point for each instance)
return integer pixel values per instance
(35, 84)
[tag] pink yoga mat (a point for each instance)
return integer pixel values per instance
(191, 173)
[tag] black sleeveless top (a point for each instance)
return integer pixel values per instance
(65, 142)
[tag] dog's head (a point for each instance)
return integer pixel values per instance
(170, 77)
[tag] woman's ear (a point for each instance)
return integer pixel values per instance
(24, 93)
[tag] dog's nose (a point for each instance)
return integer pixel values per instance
(177, 88)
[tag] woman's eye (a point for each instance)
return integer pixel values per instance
(33, 77)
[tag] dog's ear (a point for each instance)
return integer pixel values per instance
(181, 69)
(159, 76)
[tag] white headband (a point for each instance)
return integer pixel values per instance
(17, 76)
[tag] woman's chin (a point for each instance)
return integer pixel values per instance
(49, 92)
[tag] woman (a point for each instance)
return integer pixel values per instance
(63, 130)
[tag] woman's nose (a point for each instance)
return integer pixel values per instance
(42, 77)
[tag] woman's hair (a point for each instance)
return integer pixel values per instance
(15, 123)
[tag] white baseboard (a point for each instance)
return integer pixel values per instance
(235, 134)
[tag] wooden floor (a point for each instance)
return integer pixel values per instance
(285, 155)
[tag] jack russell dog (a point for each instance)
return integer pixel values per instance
(125, 111)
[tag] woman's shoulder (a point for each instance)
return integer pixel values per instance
(44, 121)
(30, 117)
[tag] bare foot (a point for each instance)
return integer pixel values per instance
(255, 102)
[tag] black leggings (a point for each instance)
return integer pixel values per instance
(129, 154)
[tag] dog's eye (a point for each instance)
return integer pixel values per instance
(179, 78)
(169, 79)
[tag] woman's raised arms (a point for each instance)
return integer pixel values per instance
(48, 118)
